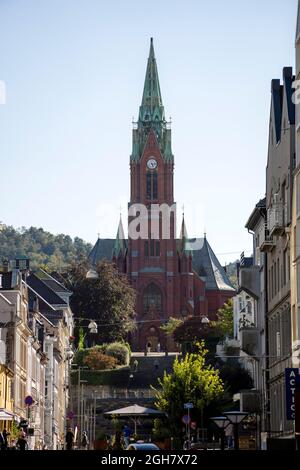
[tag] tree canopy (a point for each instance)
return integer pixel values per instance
(44, 249)
(224, 324)
(109, 300)
(191, 380)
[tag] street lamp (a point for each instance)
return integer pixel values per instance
(221, 422)
(92, 274)
(235, 418)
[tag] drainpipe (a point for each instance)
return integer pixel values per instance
(268, 408)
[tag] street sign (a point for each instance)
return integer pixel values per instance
(188, 406)
(186, 419)
(28, 400)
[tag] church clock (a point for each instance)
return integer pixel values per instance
(152, 164)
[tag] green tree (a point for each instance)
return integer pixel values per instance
(191, 380)
(171, 326)
(224, 324)
(109, 300)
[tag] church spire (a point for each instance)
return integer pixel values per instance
(120, 243)
(151, 115)
(184, 238)
(151, 108)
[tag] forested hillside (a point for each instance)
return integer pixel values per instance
(41, 247)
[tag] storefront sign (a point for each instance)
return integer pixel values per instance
(290, 389)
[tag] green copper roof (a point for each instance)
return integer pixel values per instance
(120, 242)
(151, 108)
(151, 115)
(184, 240)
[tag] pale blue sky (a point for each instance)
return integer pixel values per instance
(74, 73)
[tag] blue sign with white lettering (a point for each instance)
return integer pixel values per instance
(291, 379)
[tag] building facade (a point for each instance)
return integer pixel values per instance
(279, 189)
(36, 327)
(295, 228)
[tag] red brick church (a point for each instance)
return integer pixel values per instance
(173, 277)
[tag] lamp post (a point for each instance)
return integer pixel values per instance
(235, 418)
(221, 422)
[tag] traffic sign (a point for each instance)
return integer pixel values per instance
(188, 406)
(28, 400)
(186, 419)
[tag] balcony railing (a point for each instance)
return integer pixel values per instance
(276, 219)
(267, 241)
(249, 280)
(249, 337)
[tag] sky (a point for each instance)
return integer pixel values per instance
(74, 72)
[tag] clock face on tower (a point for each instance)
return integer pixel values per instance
(152, 164)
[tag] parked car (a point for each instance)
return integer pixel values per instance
(142, 446)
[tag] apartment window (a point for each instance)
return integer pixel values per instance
(284, 268)
(278, 344)
(272, 281)
(278, 276)
(33, 367)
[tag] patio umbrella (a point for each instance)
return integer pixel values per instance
(135, 412)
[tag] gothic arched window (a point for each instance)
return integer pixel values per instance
(151, 185)
(152, 297)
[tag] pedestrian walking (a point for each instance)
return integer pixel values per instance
(5, 435)
(1, 440)
(69, 439)
(22, 440)
(85, 441)
(149, 347)
(135, 365)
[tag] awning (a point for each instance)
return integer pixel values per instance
(6, 415)
(135, 410)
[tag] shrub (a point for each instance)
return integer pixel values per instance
(95, 360)
(119, 351)
(80, 356)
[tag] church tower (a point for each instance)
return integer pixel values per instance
(152, 264)
(172, 277)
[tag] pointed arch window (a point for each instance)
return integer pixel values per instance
(151, 185)
(152, 297)
(152, 248)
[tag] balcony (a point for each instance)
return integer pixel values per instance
(267, 242)
(249, 281)
(276, 219)
(250, 400)
(250, 340)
